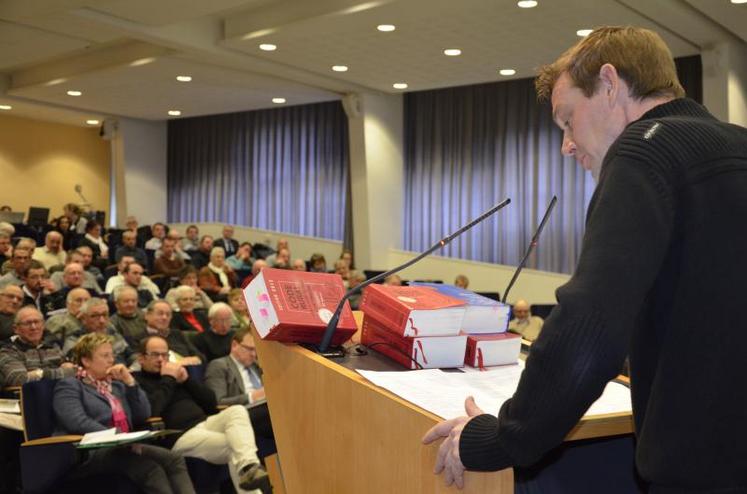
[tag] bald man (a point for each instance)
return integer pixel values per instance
(11, 298)
(51, 253)
(524, 323)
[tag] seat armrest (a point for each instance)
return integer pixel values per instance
(43, 441)
(155, 424)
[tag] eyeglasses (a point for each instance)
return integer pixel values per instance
(247, 347)
(30, 323)
(14, 297)
(156, 355)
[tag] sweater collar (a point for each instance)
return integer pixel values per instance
(681, 107)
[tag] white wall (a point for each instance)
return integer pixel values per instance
(725, 81)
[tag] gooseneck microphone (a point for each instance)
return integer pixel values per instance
(530, 248)
(332, 325)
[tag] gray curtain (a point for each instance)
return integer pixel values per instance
(468, 148)
(284, 169)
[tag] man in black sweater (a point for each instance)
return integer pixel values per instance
(663, 260)
(216, 341)
(183, 403)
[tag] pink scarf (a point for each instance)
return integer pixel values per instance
(104, 387)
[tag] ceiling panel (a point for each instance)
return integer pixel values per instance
(732, 16)
(161, 12)
(23, 45)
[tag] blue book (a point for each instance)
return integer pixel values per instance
(482, 314)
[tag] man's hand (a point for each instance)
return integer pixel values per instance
(182, 376)
(171, 369)
(120, 372)
(448, 459)
(258, 394)
(190, 361)
(68, 365)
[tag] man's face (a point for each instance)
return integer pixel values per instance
(283, 257)
(96, 320)
(221, 322)
(206, 244)
(73, 275)
(133, 275)
(192, 233)
(124, 262)
(160, 317)
(245, 352)
(298, 265)
(521, 311)
(218, 257)
(588, 127)
(159, 231)
(77, 298)
(86, 256)
(227, 232)
(156, 353)
(131, 224)
(127, 303)
(167, 248)
(34, 279)
(129, 239)
(11, 299)
(30, 325)
(53, 242)
(21, 260)
(4, 244)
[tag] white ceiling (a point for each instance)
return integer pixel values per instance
(90, 45)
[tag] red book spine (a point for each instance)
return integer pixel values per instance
(377, 337)
(384, 309)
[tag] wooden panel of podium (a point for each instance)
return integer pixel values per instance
(338, 433)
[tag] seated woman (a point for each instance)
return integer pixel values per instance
(347, 256)
(187, 318)
(240, 311)
(217, 278)
(188, 277)
(62, 225)
(93, 239)
(317, 263)
(102, 396)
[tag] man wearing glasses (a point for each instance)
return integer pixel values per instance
(11, 298)
(30, 355)
(184, 403)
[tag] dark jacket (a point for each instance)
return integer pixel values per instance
(179, 322)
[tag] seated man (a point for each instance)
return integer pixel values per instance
(524, 323)
(11, 298)
(89, 279)
(94, 318)
(129, 320)
(237, 380)
(6, 247)
(192, 240)
(258, 266)
(118, 279)
(36, 284)
(19, 263)
(158, 230)
(342, 268)
(168, 263)
(30, 355)
(66, 322)
(52, 253)
(158, 319)
(298, 265)
(461, 281)
(216, 342)
(229, 244)
(87, 260)
(201, 256)
(132, 276)
(282, 244)
(183, 403)
(242, 259)
(354, 279)
(178, 251)
(72, 277)
(281, 259)
(129, 248)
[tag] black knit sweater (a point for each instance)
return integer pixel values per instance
(660, 275)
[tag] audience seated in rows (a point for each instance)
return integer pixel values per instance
(227, 242)
(72, 277)
(158, 323)
(128, 320)
(66, 321)
(188, 277)
(11, 298)
(217, 278)
(524, 323)
(129, 248)
(185, 404)
(104, 394)
(51, 253)
(216, 341)
(94, 318)
(186, 318)
(32, 353)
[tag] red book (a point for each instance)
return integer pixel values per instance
(295, 306)
(486, 350)
(431, 352)
(413, 310)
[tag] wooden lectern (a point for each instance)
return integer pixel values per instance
(338, 433)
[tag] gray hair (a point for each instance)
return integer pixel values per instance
(120, 290)
(182, 290)
(90, 304)
(218, 306)
(216, 249)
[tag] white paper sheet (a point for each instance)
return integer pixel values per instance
(443, 393)
(111, 436)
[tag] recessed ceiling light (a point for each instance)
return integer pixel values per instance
(278, 101)
(74, 93)
(584, 32)
(54, 82)
(527, 4)
(507, 71)
(340, 68)
(175, 113)
(142, 61)
(452, 52)
(6, 107)
(92, 122)
(268, 47)
(386, 28)
(183, 78)
(399, 85)
(738, 1)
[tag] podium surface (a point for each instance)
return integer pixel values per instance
(338, 433)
